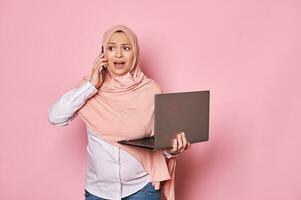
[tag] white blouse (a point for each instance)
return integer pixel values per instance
(112, 173)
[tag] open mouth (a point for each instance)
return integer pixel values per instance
(119, 64)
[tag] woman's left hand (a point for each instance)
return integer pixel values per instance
(180, 144)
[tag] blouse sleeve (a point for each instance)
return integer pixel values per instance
(64, 110)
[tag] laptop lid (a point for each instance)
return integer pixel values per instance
(181, 112)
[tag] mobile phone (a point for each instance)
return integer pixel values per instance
(103, 67)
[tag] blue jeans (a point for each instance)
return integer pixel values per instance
(148, 192)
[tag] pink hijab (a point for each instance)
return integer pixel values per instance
(123, 109)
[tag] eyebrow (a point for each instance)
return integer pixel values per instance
(115, 43)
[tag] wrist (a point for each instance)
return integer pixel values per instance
(92, 83)
(169, 154)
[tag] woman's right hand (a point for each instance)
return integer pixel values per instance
(97, 75)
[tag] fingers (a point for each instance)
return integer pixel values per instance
(100, 61)
(175, 146)
(185, 143)
(99, 57)
(188, 145)
(180, 142)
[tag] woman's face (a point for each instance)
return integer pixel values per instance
(119, 53)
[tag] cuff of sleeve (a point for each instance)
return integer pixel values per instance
(94, 89)
(86, 91)
(168, 155)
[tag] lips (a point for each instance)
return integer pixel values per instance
(119, 64)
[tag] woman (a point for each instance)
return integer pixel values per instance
(116, 102)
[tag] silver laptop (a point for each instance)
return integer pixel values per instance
(174, 113)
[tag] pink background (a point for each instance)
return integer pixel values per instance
(244, 52)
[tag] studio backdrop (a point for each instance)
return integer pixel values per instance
(246, 52)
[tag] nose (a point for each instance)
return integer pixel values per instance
(118, 53)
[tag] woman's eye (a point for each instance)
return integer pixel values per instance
(127, 48)
(110, 48)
